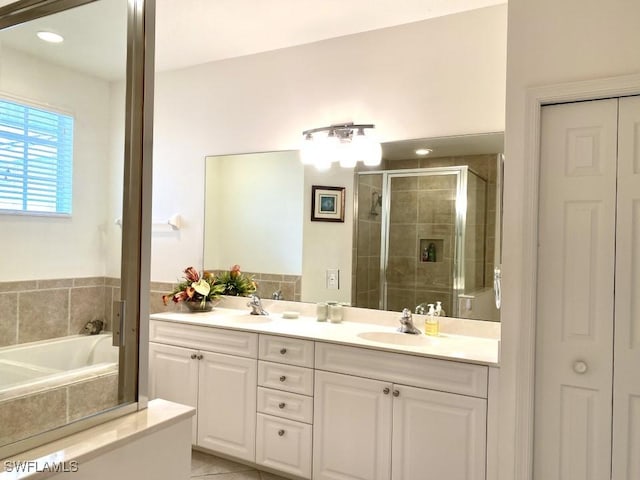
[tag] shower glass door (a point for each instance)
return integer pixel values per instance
(422, 238)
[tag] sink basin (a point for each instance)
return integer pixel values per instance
(395, 338)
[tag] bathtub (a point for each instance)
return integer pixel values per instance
(32, 367)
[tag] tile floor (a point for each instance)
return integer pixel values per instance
(209, 467)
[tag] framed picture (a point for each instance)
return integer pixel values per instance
(327, 204)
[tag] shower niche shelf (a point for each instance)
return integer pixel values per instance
(431, 250)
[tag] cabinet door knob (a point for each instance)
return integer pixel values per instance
(193, 356)
(283, 378)
(396, 393)
(281, 432)
(281, 405)
(200, 357)
(283, 351)
(580, 366)
(386, 390)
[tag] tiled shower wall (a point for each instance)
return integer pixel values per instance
(43, 309)
(434, 279)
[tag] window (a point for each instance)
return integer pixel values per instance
(36, 156)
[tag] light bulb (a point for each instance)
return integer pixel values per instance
(308, 150)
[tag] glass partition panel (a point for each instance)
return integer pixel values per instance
(62, 128)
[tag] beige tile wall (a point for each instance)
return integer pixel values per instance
(43, 309)
(28, 415)
(421, 214)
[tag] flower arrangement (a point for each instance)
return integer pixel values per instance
(199, 288)
(195, 288)
(235, 282)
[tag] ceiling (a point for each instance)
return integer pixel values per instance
(192, 32)
(479, 144)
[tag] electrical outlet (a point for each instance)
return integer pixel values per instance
(333, 279)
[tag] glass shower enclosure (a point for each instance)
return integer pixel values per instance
(421, 238)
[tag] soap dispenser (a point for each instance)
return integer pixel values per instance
(439, 311)
(431, 323)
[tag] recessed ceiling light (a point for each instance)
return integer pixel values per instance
(423, 151)
(50, 37)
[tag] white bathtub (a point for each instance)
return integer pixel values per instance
(32, 367)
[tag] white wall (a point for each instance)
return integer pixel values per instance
(49, 247)
(549, 42)
(327, 245)
(253, 214)
(438, 77)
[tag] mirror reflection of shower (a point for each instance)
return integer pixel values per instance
(376, 203)
(425, 237)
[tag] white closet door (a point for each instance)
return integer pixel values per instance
(626, 397)
(574, 332)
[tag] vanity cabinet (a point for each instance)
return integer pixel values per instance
(285, 404)
(222, 386)
(368, 426)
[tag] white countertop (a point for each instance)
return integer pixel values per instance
(79, 447)
(478, 347)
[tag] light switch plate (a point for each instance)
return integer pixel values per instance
(333, 279)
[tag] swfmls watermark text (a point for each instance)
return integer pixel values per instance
(34, 466)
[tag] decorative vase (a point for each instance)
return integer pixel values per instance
(198, 306)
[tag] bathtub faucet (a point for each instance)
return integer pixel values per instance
(93, 327)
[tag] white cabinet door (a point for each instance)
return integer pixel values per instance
(227, 404)
(352, 428)
(284, 445)
(438, 435)
(173, 376)
(626, 397)
(574, 325)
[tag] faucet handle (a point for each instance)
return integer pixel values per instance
(406, 313)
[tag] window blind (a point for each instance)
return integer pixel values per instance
(36, 158)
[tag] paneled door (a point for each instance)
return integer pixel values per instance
(575, 291)
(626, 386)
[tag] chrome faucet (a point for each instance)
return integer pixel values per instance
(277, 295)
(93, 327)
(406, 323)
(256, 305)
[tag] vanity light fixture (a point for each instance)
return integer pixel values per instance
(423, 151)
(50, 37)
(345, 143)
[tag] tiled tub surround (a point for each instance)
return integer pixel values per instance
(49, 383)
(43, 309)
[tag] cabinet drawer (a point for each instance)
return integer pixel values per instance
(443, 375)
(284, 445)
(285, 377)
(285, 404)
(286, 350)
(219, 340)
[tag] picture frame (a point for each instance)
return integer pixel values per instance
(327, 203)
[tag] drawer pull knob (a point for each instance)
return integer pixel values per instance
(281, 432)
(193, 356)
(283, 351)
(200, 357)
(580, 367)
(386, 390)
(282, 405)
(396, 393)
(283, 378)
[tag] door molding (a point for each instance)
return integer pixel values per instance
(524, 334)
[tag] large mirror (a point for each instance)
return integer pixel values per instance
(417, 230)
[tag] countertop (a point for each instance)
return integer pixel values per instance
(479, 347)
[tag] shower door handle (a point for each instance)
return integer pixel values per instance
(118, 323)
